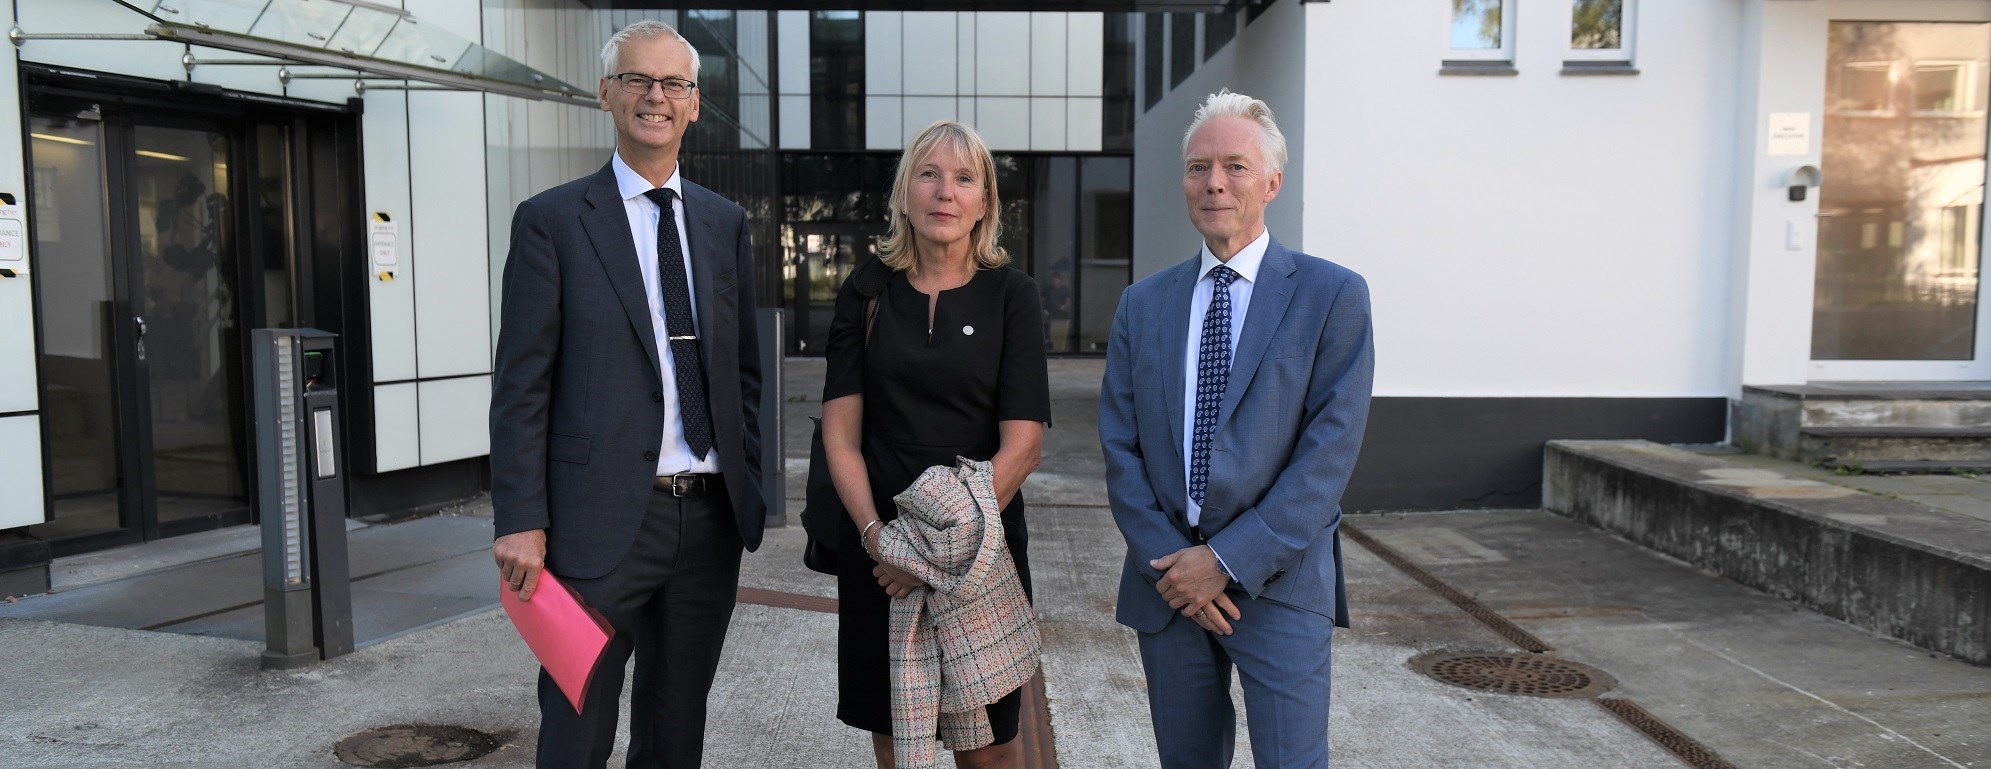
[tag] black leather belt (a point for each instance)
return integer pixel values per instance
(688, 484)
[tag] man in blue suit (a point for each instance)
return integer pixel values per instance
(625, 447)
(1236, 391)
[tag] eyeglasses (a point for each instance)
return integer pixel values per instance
(636, 83)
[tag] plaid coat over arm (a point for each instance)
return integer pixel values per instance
(970, 637)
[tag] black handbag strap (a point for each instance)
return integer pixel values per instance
(869, 279)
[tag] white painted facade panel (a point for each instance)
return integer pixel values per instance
(1002, 66)
(18, 362)
(1047, 124)
(397, 435)
(21, 494)
(447, 234)
(883, 129)
(922, 111)
(1533, 235)
(391, 303)
(929, 70)
(454, 418)
(1085, 50)
(883, 38)
(1004, 122)
(1049, 52)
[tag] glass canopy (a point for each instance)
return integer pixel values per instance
(358, 35)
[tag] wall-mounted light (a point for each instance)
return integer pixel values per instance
(159, 155)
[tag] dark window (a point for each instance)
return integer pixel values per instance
(1106, 249)
(1254, 8)
(1117, 130)
(836, 80)
(713, 34)
(1181, 47)
(1150, 60)
(1218, 29)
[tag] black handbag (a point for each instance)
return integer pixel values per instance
(823, 513)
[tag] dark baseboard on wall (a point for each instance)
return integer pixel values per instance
(1486, 453)
(417, 490)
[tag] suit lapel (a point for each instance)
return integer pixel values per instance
(607, 226)
(1174, 324)
(1269, 298)
(706, 265)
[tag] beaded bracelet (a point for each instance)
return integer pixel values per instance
(864, 537)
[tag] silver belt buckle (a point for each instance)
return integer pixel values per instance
(685, 484)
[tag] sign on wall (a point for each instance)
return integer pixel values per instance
(383, 241)
(13, 240)
(1790, 134)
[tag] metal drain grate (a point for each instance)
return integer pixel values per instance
(1510, 673)
(405, 746)
(1681, 746)
(1488, 617)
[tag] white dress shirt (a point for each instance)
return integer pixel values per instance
(1245, 262)
(674, 456)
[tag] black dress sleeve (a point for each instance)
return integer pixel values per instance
(1023, 384)
(844, 352)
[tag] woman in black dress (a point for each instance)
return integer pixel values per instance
(954, 366)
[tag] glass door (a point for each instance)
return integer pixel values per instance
(819, 256)
(1900, 215)
(142, 339)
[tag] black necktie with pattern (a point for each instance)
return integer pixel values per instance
(690, 368)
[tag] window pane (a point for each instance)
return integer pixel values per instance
(1476, 24)
(1597, 25)
(1150, 60)
(1218, 29)
(1181, 47)
(1865, 87)
(1943, 87)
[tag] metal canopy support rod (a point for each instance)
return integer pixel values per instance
(378, 67)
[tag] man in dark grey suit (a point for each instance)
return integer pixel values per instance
(1236, 391)
(624, 422)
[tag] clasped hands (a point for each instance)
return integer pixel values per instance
(896, 581)
(1193, 585)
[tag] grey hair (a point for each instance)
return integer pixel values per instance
(642, 30)
(1224, 103)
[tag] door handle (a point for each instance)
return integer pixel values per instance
(140, 320)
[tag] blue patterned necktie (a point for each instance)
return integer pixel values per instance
(689, 369)
(1213, 373)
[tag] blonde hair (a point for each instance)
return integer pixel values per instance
(647, 29)
(1224, 103)
(896, 249)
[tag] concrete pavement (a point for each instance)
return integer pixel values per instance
(1759, 681)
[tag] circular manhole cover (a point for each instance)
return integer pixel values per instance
(1514, 673)
(404, 746)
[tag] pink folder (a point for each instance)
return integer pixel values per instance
(565, 634)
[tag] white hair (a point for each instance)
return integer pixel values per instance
(647, 29)
(1224, 103)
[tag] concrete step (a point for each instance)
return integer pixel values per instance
(1891, 566)
(1770, 420)
(1860, 446)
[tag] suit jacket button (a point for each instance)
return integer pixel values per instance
(650, 456)
(656, 397)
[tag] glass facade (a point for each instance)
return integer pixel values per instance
(1052, 93)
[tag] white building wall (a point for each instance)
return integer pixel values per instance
(1266, 60)
(1534, 235)
(20, 423)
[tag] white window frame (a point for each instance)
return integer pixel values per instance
(1893, 81)
(1505, 53)
(1968, 72)
(1627, 36)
